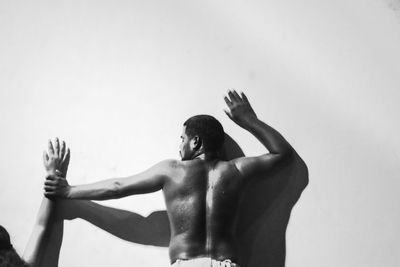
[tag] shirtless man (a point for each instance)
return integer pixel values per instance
(201, 191)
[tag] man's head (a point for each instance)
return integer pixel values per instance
(201, 134)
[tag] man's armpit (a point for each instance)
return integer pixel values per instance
(252, 166)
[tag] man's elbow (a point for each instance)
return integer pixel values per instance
(286, 155)
(116, 190)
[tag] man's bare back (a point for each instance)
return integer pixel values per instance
(202, 191)
(202, 199)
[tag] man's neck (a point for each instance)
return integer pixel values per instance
(210, 156)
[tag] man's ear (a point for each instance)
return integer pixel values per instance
(196, 142)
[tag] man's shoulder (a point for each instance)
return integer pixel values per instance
(228, 166)
(168, 164)
(173, 164)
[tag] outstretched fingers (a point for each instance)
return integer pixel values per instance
(232, 99)
(228, 113)
(57, 157)
(57, 147)
(62, 149)
(236, 98)
(67, 156)
(45, 157)
(227, 101)
(50, 148)
(65, 163)
(233, 96)
(244, 97)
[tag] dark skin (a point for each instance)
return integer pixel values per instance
(201, 192)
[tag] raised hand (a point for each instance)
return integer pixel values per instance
(56, 158)
(239, 109)
(56, 161)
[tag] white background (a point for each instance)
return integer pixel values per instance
(116, 80)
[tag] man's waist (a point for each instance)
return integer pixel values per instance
(188, 255)
(187, 247)
(204, 262)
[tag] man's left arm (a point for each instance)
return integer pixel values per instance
(148, 181)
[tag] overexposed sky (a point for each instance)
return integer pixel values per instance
(116, 80)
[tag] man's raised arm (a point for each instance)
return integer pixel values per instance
(241, 112)
(148, 181)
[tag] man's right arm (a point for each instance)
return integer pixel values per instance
(279, 150)
(148, 181)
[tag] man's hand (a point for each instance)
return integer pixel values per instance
(56, 158)
(56, 186)
(240, 110)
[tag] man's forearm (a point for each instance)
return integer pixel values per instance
(268, 136)
(145, 182)
(107, 189)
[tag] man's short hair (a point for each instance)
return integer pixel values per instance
(208, 128)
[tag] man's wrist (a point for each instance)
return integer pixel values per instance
(249, 122)
(68, 192)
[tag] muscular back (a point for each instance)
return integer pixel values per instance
(202, 200)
